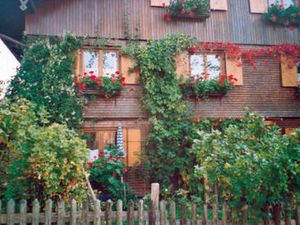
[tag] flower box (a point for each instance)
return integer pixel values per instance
(200, 17)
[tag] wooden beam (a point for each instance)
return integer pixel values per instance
(5, 37)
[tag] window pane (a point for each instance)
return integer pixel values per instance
(273, 2)
(287, 3)
(92, 140)
(213, 66)
(90, 61)
(197, 65)
(110, 63)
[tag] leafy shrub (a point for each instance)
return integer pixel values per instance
(188, 7)
(110, 86)
(38, 160)
(44, 78)
(106, 173)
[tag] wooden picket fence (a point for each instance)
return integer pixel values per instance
(164, 213)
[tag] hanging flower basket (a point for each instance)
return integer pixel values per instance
(187, 9)
(90, 84)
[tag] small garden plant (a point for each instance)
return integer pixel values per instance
(110, 86)
(187, 8)
(202, 87)
(287, 17)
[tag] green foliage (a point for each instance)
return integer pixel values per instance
(44, 78)
(253, 164)
(169, 114)
(106, 173)
(189, 7)
(38, 160)
(277, 14)
(110, 86)
(203, 88)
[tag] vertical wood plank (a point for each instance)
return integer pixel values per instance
(85, 211)
(183, 219)
(141, 212)
(108, 213)
(73, 212)
(215, 205)
(163, 213)
(119, 212)
(172, 213)
(23, 212)
(224, 213)
(204, 215)
(287, 216)
(155, 195)
(36, 212)
(130, 213)
(194, 214)
(205, 199)
(152, 214)
(10, 212)
(61, 213)
(97, 213)
(48, 212)
(0, 206)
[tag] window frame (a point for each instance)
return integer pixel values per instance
(205, 53)
(281, 1)
(100, 52)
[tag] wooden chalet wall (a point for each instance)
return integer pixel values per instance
(114, 18)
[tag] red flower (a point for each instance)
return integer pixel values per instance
(101, 154)
(84, 73)
(118, 73)
(113, 79)
(183, 1)
(114, 175)
(100, 167)
(182, 11)
(82, 86)
(124, 170)
(118, 158)
(91, 72)
(193, 77)
(93, 77)
(167, 17)
(122, 79)
(105, 160)
(131, 89)
(230, 77)
(220, 81)
(280, 5)
(99, 84)
(192, 84)
(291, 28)
(90, 164)
(164, 5)
(111, 157)
(298, 13)
(124, 84)
(230, 83)
(191, 14)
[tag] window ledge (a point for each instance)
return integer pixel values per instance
(201, 17)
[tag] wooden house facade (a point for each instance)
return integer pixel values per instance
(269, 91)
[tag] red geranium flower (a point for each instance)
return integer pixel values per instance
(164, 4)
(192, 84)
(122, 79)
(280, 5)
(111, 157)
(124, 170)
(118, 72)
(230, 83)
(90, 164)
(220, 81)
(91, 72)
(291, 28)
(105, 160)
(191, 14)
(100, 167)
(118, 158)
(114, 175)
(101, 153)
(93, 77)
(82, 86)
(99, 84)
(124, 84)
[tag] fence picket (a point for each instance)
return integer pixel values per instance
(172, 213)
(36, 212)
(48, 212)
(10, 212)
(108, 213)
(0, 206)
(85, 212)
(119, 212)
(183, 220)
(224, 213)
(297, 215)
(141, 212)
(23, 212)
(152, 213)
(130, 213)
(204, 215)
(61, 213)
(73, 212)
(97, 213)
(163, 214)
(194, 214)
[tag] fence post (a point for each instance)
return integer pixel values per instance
(163, 213)
(183, 220)
(23, 212)
(215, 205)
(194, 214)
(141, 212)
(205, 199)
(130, 213)
(97, 213)
(172, 213)
(10, 212)
(48, 212)
(73, 212)
(224, 213)
(60, 213)
(108, 213)
(36, 212)
(152, 214)
(155, 195)
(119, 212)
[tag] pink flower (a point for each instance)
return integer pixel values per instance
(291, 28)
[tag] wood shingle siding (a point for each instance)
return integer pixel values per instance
(114, 18)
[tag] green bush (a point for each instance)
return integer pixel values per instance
(39, 160)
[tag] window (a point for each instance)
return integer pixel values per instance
(286, 3)
(102, 62)
(207, 64)
(298, 73)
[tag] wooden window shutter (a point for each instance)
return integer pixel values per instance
(182, 65)
(131, 77)
(235, 68)
(288, 73)
(218, 4)
(133, 147)
(159, 3)
(258, 6)
(78, 62)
